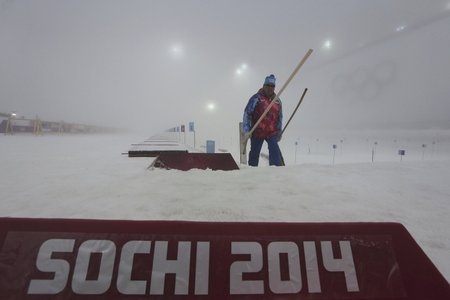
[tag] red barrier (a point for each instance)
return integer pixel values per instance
(93, 259)
(185, 161)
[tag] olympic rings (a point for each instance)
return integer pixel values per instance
(364, 83)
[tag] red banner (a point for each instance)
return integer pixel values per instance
(88, 259)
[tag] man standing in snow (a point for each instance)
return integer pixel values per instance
(269, 129)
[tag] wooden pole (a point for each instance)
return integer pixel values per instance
(243, 155)
(8, 129)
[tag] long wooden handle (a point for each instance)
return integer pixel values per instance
(299, 65)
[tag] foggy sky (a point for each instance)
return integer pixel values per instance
(157, 64)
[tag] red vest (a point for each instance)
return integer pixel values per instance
(268, 126)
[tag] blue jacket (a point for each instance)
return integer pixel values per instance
(251, 113)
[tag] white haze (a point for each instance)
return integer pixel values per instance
(152, 65)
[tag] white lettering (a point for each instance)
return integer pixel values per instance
(59, 267)
(249, 267)
(312, 268)
(80, 285)
(345, 264)
(237, 284)
(125, 285)
(294, 284)
(163, 266)
(202, 269)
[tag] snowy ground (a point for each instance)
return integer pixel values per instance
(88, 177)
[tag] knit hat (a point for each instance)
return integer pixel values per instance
(270, 79)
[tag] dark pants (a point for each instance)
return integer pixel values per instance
(255, 150)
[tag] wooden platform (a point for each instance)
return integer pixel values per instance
(187, 161)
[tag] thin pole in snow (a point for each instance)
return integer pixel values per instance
(334, 151)
(374, 148)
(423, 151)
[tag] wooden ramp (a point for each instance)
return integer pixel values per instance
(154, 147)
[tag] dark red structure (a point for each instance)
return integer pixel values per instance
(186, 161)
(152, 153)
(98, 259)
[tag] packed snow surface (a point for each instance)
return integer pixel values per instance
(362, 180)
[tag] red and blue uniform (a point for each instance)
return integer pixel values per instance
(271, 123)
(267, 130)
